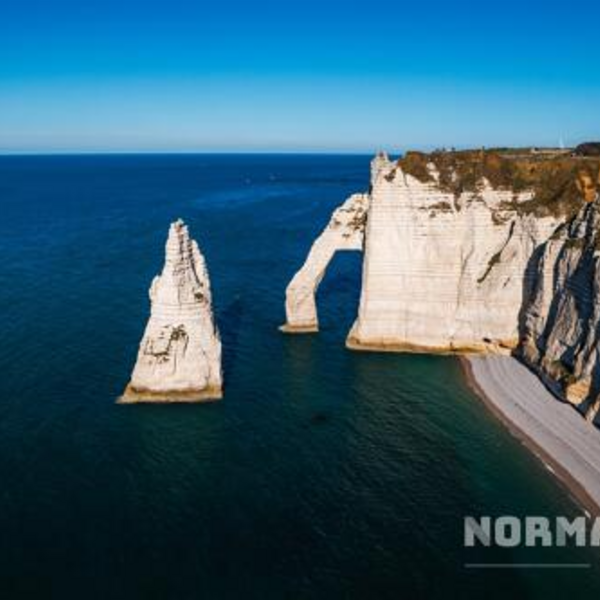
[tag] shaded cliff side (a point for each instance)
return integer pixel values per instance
(561, 319)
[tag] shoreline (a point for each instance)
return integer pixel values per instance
(133, 395)
(534, 436)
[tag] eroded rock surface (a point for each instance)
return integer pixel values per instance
(443, 272)
(345, 231)
(561, 322)
(179, 359)
(475, 252)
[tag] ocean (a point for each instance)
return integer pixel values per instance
(323, 473)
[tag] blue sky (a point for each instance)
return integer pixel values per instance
(305, 76)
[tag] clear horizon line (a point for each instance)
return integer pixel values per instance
(323, 152)
(184, 152)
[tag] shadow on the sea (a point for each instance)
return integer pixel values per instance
(318, 418)
(229, 326)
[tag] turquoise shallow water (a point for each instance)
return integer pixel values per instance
(323, 474)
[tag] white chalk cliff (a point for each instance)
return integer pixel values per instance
(478, 268)
(440, 273)
(179, 358)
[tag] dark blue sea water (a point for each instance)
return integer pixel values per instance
(322, 474)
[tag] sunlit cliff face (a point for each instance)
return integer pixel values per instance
(587, 186)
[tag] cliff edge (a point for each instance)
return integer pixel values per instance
(474, 252)
(561, 319)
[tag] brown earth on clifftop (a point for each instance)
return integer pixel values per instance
(557, 179)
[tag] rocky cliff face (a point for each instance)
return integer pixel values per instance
(345, 231)
(179, 358)
(561, 319)
(474, 252)
(443, 271)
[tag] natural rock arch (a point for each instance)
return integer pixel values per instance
(345, 231)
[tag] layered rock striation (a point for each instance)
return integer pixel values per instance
(443, 267)
(179, 358)
(475, 252)
(443, 271)
(561, 319)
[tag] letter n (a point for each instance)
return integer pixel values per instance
(477, 530)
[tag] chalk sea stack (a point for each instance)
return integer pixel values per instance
(179, 359)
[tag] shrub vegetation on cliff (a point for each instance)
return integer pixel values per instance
(551, 177)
